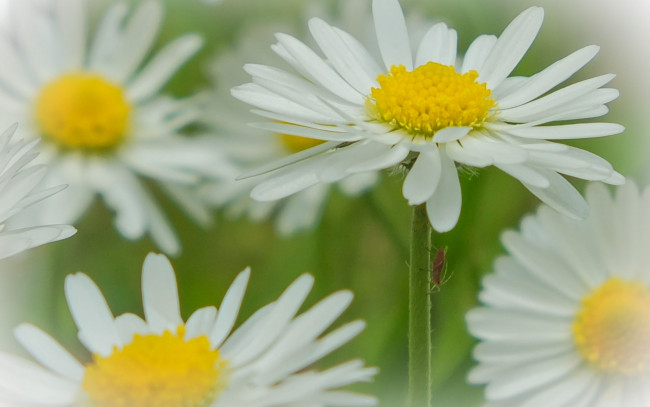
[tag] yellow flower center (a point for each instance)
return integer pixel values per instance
(430, 98)
(296, 144)
(83, 111)
(157, 371)
(612, 330)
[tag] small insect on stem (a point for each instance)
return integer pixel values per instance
(439, 268)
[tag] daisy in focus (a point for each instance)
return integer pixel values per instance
(429, 112)
(162, 361)
(106, 129)
(565, 320)
(250, 148)
(19, 188)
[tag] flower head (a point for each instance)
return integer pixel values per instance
(163, 361)
(98, 108)
(565, 319)
(19, 188)
(429, 112)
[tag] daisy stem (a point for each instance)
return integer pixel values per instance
(419, 390)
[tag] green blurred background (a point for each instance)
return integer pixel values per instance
(361, 244)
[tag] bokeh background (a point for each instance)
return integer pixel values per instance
(361, 244)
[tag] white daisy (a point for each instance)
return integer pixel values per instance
(105, 127)
(163, 361)
(251, 148)
(565, 320)
(19, 188)
(429, 112)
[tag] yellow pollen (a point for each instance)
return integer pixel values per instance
(296, 144)
(157, 371)
(430, 98)
(612, 330)
(83, 111)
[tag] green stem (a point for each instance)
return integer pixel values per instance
(419, 391)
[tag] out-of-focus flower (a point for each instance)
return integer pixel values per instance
(565, 320)
(163, 361)
(429, 112)
(19, 189)
(105, 127)
(251, 148)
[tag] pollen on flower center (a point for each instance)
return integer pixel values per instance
(157, 371)
(83, 111)
(430, 98)
(612, 330)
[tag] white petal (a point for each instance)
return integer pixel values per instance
(71, 18)
(478, 52)
(548, 78)
(129, 325)
(277, 321)
(561, 196)
(284, 183)
(567, 131)
(318, 71)
(392, 36)
(107, 36)
(200, 322)
(528, 377)
(158, 71)
(90, 312)
(443, 208)
(525, 174)
(32, 385)
(438, 45)
(135, 41)
(160, 294)
(342, 58)
(422, 180)
(511, 47)
(49, 352)
(449, 134)
(563, 99)
(229, 308)
(16, 241)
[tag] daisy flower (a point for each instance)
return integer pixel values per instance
(162, 361)
(19, 189)
(106, 128)
(565, 320)
(250, 148)
(430, 112)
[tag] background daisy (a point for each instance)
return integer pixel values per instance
(106, 128)
(374, 115)
(565, 319)
(19, 188)
(164, 361)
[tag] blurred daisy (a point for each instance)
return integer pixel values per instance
(251, 148)
(565, 320)
(429, 112)
(165, 362)
(100, 114)
(19, 189)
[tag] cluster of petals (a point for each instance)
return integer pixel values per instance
(327, 100)
(249, 148)
(268, 356)
(20, 188)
